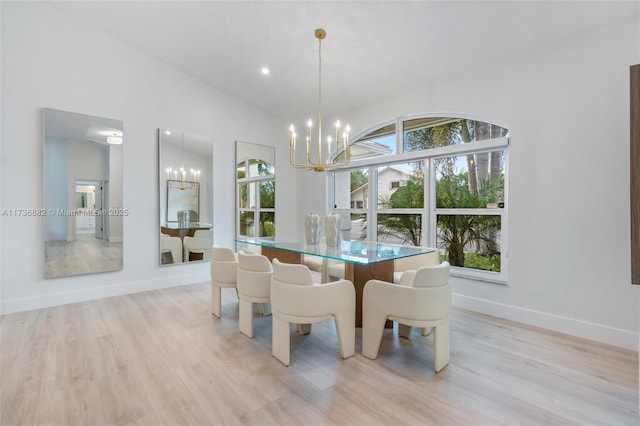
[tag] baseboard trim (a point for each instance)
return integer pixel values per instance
(601, 333)
(10, 306)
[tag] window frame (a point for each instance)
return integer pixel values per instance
(429, 212)
(253, 181)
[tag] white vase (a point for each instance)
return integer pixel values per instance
(333, 230)
(312, 229)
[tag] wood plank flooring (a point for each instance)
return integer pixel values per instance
(161, 358)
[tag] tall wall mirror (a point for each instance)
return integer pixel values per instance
(255, 190)
(82, 181)
(186, 196)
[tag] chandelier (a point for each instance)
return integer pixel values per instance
(328, 160)
(177, 178)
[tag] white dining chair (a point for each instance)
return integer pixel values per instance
(423, 299)
(224, 274)
(296, 299)
(254, 286)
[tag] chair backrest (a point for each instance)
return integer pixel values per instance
(254, 275)
(223, 254)
(203, 233)
(253, 262)
(193, 243)
(416, 262)
(288, 273)
(432, 276)
(224, 265)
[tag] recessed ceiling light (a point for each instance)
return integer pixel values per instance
(167, 132)
(265, 71)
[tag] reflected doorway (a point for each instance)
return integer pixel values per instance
(90, 203)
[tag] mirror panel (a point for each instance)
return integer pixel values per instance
(82, 191)
(186, 196)
(255, 190)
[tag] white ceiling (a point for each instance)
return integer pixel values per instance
(373, 49)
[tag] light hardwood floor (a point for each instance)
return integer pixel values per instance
(161, 358)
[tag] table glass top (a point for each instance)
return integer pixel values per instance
(362, 252)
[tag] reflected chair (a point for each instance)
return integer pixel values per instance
(200, 243)
(296, 299)
(173, 245)
(413, 263)
(254, 286)
(423, 299)
(224, 273)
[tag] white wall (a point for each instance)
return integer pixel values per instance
(51, 60)
(567, 108)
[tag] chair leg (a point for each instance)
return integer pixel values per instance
(372, 329)
(245, 318)
(264, 309)
(304, 329)
(216, 300)
(404, 330)
(281, 340)
(346, 330)
(441, 346)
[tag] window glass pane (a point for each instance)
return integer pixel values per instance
(260, 168)
(380, 142)
(401, 186)
(358, 230)
(351, 189)
(246, 195)
(241, 170)
(434, 132)
(246, 223)
(267, 194)
(470, 181)
(267, 227)
(400, 228)
(470, 241)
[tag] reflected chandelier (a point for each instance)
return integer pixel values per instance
(328, 160)
(182, 183)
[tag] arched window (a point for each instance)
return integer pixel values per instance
(431, 180)
(256, 190)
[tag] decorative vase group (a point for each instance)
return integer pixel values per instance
(332, 229)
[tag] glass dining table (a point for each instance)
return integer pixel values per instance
(363, 260)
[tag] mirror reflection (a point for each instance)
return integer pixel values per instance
(82, 171)
(186, 202)
(256, 190)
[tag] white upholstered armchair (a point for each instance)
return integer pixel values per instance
(422, 299)
(254, 286)
(200, 243)
(224, 274)
(296, 299)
